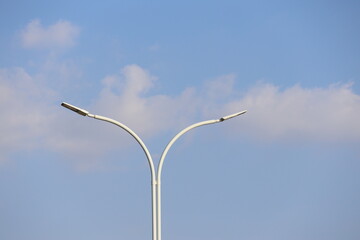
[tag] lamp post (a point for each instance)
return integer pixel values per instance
(155, 175)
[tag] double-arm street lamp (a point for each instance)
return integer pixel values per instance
(155, 175)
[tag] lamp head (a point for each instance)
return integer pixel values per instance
(75, 109)
(232, 115)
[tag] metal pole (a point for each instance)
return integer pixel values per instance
(146, 151)
(163, 155)
(155, 176)
(151, 165)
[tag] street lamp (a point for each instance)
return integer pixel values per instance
(155, 175)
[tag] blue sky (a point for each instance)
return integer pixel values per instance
(287, 169)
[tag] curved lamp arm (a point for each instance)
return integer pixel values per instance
(132, 133)
(177, 136)
(173, 140)
(121, 125)
(163, 155)
(144, 148)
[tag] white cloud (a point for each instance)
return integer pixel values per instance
(21, 106)
(325, 114)
(124, 96)
(59, 35)
(32, 117)
(221, 87)
(322, 114)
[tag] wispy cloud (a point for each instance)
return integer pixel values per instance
(154, 48)
(21, 104)
(62, 34)
(330, 113)
(125, 96)
(326, 114)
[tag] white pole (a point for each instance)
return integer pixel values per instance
(151, 165)
(163, 155)
(155, 176)
(143, 146)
